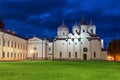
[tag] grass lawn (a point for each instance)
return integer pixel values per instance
(60, 70)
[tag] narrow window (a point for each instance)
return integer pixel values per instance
(3, 54)
(76, 54)
(18, 45)
(69, 43)
(49, 49)
(7, 54)
(8, 43)
(11, 44)
(83, 30)
(11, 54)
(69, 54)
(15, 55)
(15, 44)
(94, 54)
(60, 54)
(63, 33)
(91, 31)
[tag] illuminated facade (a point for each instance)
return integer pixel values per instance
(37, 48)
(82, 44)
(12, 47)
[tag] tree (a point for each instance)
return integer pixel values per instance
(1, 25)
(114, 48)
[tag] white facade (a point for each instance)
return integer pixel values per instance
(37, 48)
(12, 47)
(82, 44)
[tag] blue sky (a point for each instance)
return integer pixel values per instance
(42, 17)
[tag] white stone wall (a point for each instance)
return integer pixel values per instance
(15, 48)
(37, 48)
(50, 50)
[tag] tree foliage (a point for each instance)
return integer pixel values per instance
(114, 47)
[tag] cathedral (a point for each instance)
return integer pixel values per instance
(82, 44)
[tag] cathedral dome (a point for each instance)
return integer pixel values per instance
(63, 27)
(91, 24)
(83, 22)
(76, 26)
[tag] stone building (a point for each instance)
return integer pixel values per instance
(82, 44)
(12, 47)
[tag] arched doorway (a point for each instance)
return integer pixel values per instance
(84, 56)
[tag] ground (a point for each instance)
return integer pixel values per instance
(60, 70)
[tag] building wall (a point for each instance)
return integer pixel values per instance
(37, 48)
(50, 51)
(12, 47)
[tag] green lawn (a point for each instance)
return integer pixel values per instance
(60, 70)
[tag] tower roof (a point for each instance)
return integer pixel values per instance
(91, 23)
(83, 22)
(75, 25)
(63, 27)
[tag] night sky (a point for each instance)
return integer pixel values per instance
(41, 18)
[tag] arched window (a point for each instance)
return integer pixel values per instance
(3, 42)
(63, 33)
(76, 54)
(60, 54)
(69, 54)
(85, 49)
(91, 31)
(94, 54)
(83, 30)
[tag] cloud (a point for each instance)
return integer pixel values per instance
(41, 17)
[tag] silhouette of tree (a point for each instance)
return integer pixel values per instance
(114, 48)
(1, 25)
